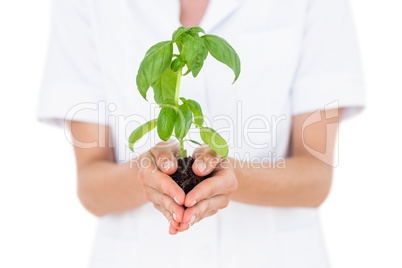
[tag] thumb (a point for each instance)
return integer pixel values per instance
(164, 154)
(206, 162)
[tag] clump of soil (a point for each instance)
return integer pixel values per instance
(184, 176)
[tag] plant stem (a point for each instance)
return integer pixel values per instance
(183, 152)
(181, 144)
(176, 95)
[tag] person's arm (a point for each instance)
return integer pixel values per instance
(104, 187)
(303, 180)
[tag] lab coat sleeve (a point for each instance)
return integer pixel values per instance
(329, 72)
(72, 82)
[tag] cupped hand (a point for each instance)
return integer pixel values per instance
(211, 194)
(155, 166)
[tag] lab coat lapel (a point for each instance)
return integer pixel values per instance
(218, 10)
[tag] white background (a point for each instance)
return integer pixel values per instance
(43, 225)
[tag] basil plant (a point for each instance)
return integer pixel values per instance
(162, 70)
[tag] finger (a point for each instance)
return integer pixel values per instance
(164, 154)
(167, 203)
(224, 182)
(200, 151)
(174, 224)
(172, 231)
(210, 213)
(206, 161)
(162, 183)
(185, 226)
(201, 210)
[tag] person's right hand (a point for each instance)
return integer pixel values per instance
(155, 166)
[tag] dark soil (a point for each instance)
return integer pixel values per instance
(184, 176)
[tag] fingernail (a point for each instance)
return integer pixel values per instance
(177, 201)
(167, 165)
(201, 166)
(174, 216)
(192, 220)
(192, 204)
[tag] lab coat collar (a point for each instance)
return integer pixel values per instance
(217, 11)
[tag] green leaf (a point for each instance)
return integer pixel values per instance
(179, 46)
(195, 142)
(183, 121)
(195, 108)
(139, 132)
(187, 72)
(223, 52)
(196, 30)
(166, 120)
(195, 52)
(168, 102)
(155, 62)
(165, 86)
(214, 141)
(177, 64)
(181, 30)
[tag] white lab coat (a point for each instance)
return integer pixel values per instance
(297, 56)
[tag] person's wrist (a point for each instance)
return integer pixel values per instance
(238, 171)
(235, 165)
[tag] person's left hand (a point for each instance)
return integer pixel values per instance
(213, 193)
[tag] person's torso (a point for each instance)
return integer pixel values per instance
(254, 115)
